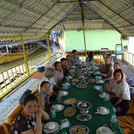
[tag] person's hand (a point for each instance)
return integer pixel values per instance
(50, 94)
(39, 113)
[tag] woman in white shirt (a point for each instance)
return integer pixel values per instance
(109, 70)
(122, 92)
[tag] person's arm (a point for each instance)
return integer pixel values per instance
(111, 76)
(45, 115)
(109, 88)
(119, 100)
(29, 131)
(40, 101)
(55, 84)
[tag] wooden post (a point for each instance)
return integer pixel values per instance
(25, 58)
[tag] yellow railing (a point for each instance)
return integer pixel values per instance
(11, 78)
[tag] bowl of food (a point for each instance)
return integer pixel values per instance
(69, 112)
(79, 129)
(84, 117)
(84, 106)
(91, 80)
(90, 72)
(75, 80)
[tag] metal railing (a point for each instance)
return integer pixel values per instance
(129, 58)
(11, 78)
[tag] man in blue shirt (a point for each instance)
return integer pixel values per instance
(74, 57)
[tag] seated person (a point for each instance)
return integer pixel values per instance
(64, 66)
(29, 120)
(68, 57)
(54, 87)
(58, 75)
(74, 57)
(90, 57)
(43, 95)
(122, 92)
(49, 73)
(117, 66)
(109, 70)
(102, 65)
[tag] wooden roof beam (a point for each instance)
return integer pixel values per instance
(63, 18)
(41, 16)
(81, 8)
(116, 12)
(102, 17)
(75, 1)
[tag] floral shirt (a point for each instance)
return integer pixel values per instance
(21, 124)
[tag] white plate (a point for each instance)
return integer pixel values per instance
(45, 128)
(100, 111)
(96, 68)
(97, 72)
(66, 84)
(58, 107)
(69, 77)
(97, 87)
(103, 95)
(63, 93)
(103, 130)
(100, 81)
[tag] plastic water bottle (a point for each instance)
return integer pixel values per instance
(113, 119)
(59, 97)
(53, 113)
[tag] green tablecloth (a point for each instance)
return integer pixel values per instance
(91, 95)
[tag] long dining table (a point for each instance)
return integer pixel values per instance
(91, 95)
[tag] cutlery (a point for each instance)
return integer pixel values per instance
(98, 113)
(113, 132)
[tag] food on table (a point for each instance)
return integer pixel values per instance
(81, 86)
(91, 80)
(77, 72)
(79, 130)
(90, 72)
(70, 111)
(84, 117)
(75, 80)
(69, 101)
(75, 104)
(72, 74)
(83, 82)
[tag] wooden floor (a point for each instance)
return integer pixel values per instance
(129, 71)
